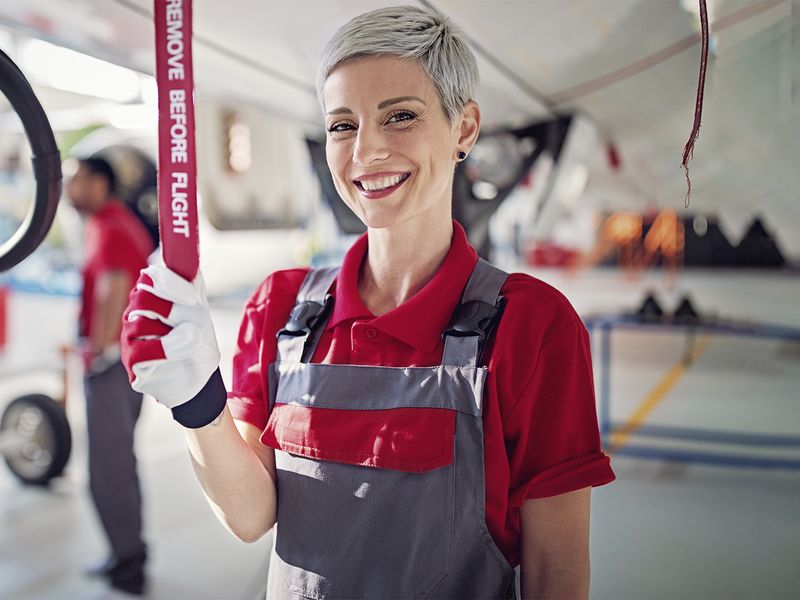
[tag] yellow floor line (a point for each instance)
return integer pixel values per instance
(620, 437)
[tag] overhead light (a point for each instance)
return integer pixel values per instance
(239, 150)
(6, 41)
(65, 69)
(700, 225)
(133, 116)
(69, 167)
(149, 89)
(483, 190)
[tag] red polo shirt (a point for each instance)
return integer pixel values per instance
(540, 424)
(113, 240)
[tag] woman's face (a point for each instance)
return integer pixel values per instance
(390, 148)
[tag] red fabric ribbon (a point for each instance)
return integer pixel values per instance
(177, 169)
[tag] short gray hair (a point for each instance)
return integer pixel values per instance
(408, 32)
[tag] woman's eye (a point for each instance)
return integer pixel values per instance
(341, 127)
(403, 115)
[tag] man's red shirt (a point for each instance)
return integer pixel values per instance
(114, 240)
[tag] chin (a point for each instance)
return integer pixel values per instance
(377, 221)
(384, 214)
(387, 221)
(374, 217)
(382, 217)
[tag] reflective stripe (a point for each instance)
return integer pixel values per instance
(353, 387)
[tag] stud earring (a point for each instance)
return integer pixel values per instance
(461, 155)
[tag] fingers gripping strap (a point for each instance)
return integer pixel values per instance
(140, 352)
(143, 327)
(169, 344)
(300, 348)
(142, 301)
(168, 285)
(484, 285)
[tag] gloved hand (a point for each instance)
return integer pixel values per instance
(169, 347)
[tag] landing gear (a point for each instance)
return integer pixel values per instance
(35, 438)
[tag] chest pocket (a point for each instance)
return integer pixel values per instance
(362, 492)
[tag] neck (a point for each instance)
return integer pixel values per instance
(401, 259)
(98, 205)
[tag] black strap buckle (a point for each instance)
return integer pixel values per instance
(305, 316)
(475, 318)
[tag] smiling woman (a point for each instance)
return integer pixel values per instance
(418, 422)
(389, 139)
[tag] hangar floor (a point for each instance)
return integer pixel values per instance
(662, 530)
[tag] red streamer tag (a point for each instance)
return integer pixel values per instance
(177, 169)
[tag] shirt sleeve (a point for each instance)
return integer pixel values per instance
(115, 254)
(555, 443)
(247, 399)
(265, 313)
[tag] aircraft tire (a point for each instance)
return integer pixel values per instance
(41, 438)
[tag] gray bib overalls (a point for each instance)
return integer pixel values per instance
(355, 531)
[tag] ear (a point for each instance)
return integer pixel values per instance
(470, 126)
(99, 187)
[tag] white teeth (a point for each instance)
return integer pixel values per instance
(376, 185)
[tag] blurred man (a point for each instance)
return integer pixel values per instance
(116, 247)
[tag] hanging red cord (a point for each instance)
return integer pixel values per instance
(688, 150)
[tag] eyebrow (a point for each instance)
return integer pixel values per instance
(382, 105)
(391, 101)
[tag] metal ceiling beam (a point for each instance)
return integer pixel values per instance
(242, 59)
(503, 68)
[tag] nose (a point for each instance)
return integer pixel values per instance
(370, 146)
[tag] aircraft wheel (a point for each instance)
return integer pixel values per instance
(36, 439)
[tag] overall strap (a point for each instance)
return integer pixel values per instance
(300, 336)
(476, 316)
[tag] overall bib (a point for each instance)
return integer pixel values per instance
(393, 508)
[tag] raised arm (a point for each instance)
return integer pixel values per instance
(171, 353)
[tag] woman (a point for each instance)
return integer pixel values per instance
(421, 422)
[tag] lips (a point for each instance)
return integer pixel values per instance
(379, 185)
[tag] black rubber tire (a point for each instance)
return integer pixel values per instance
(52, 429)
(46, 165)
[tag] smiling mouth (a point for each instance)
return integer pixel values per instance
(381, 184)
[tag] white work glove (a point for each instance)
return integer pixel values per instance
(169, 347)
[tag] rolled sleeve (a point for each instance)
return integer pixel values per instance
(248, 410)
(247, 400)
(557, 445)
(265, 313)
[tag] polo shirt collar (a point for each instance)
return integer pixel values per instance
(420, 321)
(109, 208)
